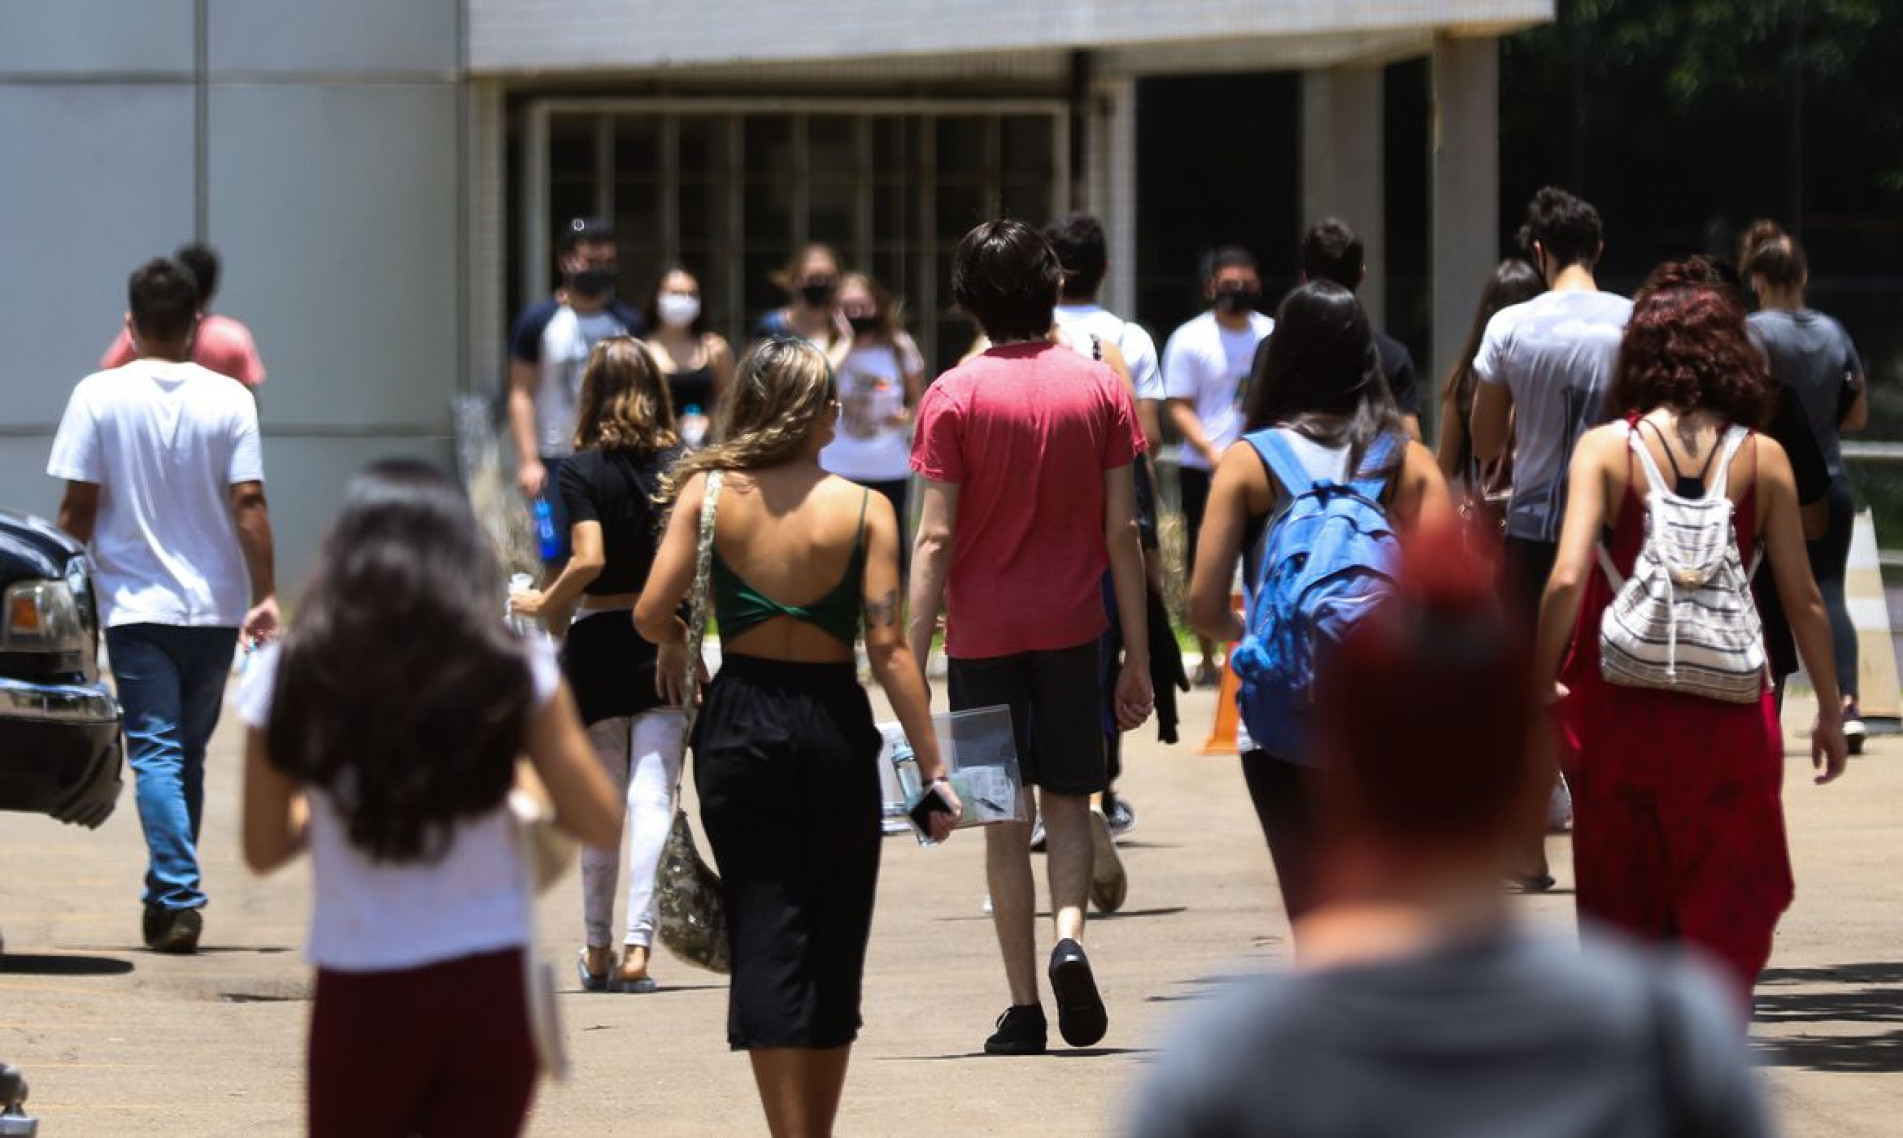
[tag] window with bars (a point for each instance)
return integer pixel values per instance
(731, 191)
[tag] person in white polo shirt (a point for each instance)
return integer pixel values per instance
(1206, 366)
(165, 482)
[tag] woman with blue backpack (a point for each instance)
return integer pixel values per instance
(1652, 643)
(1312, 503)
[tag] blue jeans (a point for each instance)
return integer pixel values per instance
(172, 686)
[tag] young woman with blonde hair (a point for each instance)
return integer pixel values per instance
(785, 747)
(629, 693)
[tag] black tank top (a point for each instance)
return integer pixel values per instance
(692, 388)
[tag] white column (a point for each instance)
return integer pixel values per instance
(1466, 185)
(1342, 168)
(1110, 183)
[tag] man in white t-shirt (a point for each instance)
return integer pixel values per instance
(1206, 366)
(1079, 242)
(1544, 368)
(165, 482)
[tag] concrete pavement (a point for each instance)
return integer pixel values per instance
(118, 1041)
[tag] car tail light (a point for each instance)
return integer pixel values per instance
(42, 616)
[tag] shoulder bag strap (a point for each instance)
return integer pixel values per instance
(697, 607)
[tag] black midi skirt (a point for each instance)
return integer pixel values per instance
(785, 762)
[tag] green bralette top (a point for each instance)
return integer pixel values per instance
(739, 606)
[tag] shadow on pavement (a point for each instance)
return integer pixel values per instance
(1851, 994)
(1056, 1052)
(31, 964)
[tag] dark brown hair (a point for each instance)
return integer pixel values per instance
(1686, 349)
(1319, 373)
(1513, 281)
(400, 691)
(1005, 276)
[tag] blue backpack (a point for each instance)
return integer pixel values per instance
(1327, 561)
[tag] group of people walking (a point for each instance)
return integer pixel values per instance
(1558, 420)
(771, 490)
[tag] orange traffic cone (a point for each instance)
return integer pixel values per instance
(1222, 737)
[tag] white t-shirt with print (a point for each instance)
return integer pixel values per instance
(1139, 350)
(371, 916)
(1208, 365)
(865, 448)
(165, 442)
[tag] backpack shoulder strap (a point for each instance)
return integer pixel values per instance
(1374, 486)
(1654, 477)
(1726, 450)
(1281, 461)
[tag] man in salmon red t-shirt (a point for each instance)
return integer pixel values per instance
(219, 343)
(1025, 451)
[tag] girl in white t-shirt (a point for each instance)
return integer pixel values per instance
(880, 382)
(384, 734)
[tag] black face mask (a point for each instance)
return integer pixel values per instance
(863, 325)
(594, 282)
(1235, 301)
(820, 294)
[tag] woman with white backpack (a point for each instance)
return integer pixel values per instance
(1317, 406)
(1670, 737)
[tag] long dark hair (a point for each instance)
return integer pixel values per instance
(400, 690)
(1321, 376)
(1513, 281)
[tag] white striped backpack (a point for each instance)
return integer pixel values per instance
(1685, 621)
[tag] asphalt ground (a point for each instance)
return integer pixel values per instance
(119, 1041)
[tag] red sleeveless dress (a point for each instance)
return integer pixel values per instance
(1678, 820)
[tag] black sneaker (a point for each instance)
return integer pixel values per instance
(174, 931)
(1021, 1031)
(1081, 1018)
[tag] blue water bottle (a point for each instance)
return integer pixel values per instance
(545, 536)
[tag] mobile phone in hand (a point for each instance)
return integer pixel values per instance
(931, 802)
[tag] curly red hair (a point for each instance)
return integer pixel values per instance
(1685, 348)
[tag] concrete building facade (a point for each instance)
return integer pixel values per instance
(384, 179)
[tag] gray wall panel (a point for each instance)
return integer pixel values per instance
(41, 37)
(335, 208)
(305, 481)
(98, 178)
(335, 35)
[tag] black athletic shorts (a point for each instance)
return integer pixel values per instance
(1056, 702)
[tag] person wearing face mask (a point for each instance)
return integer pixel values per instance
(548, 349)
(1206, 366)
(880, 383)
(696, 361)
(811, 281)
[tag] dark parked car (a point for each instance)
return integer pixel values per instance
(60, 748)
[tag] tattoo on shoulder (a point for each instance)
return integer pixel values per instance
(883, 612)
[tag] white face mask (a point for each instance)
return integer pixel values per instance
(677, 308)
